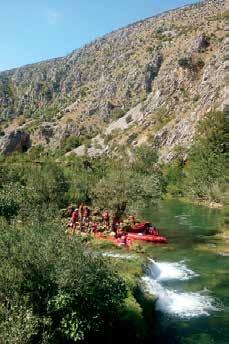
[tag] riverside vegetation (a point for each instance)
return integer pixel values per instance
(125, 121)
(54, 288)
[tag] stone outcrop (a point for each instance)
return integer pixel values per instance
(200, 44)
(17, 140)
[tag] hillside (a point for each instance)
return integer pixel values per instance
(150, 82)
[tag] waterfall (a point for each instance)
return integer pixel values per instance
(173, 302)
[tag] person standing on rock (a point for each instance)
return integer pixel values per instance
(106, 218)
(86, 213)
(81, 210)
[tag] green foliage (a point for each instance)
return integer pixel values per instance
(83, 92)
(28, 187)
(162, 117)
(150, 49)
(199, 63)
(47, 297)
(123, 189)
(49, 184)
(174, 175)
(18, 325)
(207, 160)
(129, 119)
(194, 64)
(117, 113)
(52, 111)
(185, 62)
(70, 143)
(196, 98)
(131, 138)
(11, 199)
(145, 158)
(203, 176)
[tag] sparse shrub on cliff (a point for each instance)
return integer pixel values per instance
(193, 64)
(185, 62)
(199, 63)
(70, 143)
(117, 113)
(129, 119)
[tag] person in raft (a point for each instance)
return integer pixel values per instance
(131, 220)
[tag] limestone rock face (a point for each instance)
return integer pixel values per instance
(17, 140)
(152, 81)
(152, 70)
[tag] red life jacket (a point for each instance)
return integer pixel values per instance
(75, 216)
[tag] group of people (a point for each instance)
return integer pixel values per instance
(98, 222)
(84, 219)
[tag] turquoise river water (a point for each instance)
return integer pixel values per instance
(189, 275)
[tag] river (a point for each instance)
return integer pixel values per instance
(189, 275)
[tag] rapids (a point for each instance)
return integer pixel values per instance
(170, 301)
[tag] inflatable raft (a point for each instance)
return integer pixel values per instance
(147, 238)
(142, 232)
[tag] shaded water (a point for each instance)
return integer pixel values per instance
(192, 279)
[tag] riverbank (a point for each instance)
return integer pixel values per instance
(219, 243)
(137, 317)
(201, 202)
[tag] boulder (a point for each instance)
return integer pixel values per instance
(17, 140)
(201, 43)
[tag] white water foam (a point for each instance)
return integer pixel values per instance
(163, 271)
(172, 302)
(183, 305)
(118, 255)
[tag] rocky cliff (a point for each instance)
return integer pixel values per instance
(150, 82)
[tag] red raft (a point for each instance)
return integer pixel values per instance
(144, 231)
(147, 237)
(140, 232)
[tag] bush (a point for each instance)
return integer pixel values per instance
(26, 187)
(192, 64)
(175, 178)
(47, 298)
(129, 119)
(11, 199)
(131, 138)
(70, 143)
(117, 113)
(199, 63)
(125, 189)
(185, 62)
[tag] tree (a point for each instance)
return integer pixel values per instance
(123, 190)
(205, 170)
